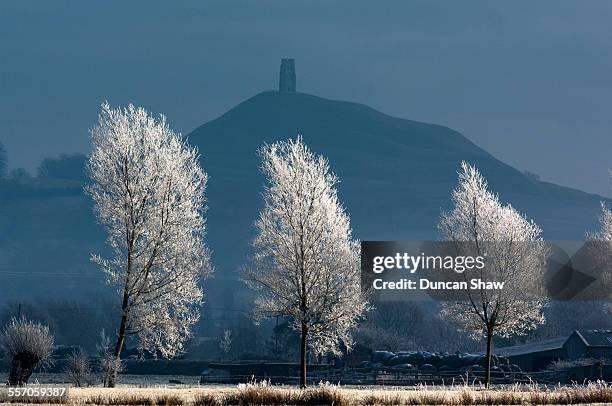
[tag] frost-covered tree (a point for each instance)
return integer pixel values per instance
(306, 264)
(514, 252)
(602, 245)
(28, 345)
(148, 192)
(78, 368)
(605, 223)
(225, 342)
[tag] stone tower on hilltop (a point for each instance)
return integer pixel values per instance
(286, 82)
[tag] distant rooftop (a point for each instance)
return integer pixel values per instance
(596, 338)
(590, 338)
(538, 346)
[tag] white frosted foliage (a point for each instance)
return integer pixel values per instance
(148, 191)
(515, 255)
(306, 264)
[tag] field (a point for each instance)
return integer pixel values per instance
(264, 394)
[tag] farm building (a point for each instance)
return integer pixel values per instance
(589, 344)
(580, 344)
(534, 356)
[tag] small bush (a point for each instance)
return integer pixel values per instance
(78, 369)
(28, 345)
(109, 366)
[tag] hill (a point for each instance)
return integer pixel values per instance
(396, 176)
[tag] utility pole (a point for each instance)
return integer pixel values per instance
(276, 336)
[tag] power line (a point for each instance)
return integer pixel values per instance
(97, 308)
(48, 274)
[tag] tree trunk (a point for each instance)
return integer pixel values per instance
(22, 366)
(112, 378)
(488, 356)
(303, 353)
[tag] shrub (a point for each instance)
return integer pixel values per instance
(28, 345)
(78, 369)
(109, 366)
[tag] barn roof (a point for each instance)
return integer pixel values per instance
(534, 347)
(595, 338)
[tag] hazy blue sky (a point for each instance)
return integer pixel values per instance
(528, 81)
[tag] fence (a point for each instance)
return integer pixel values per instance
(394, 377)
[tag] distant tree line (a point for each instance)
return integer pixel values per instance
(65, 166)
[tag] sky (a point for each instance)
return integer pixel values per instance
(530, 82)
